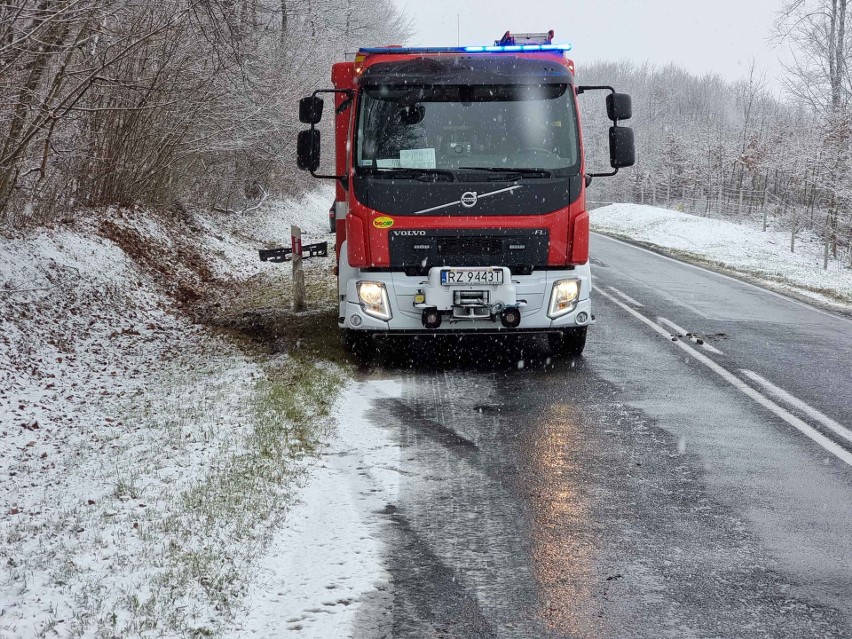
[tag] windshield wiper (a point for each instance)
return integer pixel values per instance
(509, 173)
(424, 175)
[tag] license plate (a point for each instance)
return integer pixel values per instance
(463, 276)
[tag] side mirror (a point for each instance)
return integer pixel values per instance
(310, 110)
(619, 106)
(622, 152)
(308, 150)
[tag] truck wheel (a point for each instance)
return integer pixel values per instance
(359, 344)
(569, 342)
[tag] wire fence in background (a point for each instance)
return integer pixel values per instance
(762, 209)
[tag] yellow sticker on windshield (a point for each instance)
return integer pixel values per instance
(383, 222)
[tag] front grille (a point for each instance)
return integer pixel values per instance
(460, 246)
(521, 250)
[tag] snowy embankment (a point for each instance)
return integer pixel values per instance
(127, 428)
(761, 256)
(328, 563)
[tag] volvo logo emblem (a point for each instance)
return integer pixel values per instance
(468, 200)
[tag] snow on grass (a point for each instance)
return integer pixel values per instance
(328, 562)
(112, 405)
(235, 239)
(765, 256)
(144, 460)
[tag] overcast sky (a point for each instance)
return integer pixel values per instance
(715, 35)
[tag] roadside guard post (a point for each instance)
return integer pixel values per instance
(297, 252)
(298, 271)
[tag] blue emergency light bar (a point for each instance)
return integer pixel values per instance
(509, 48)
(520, 47)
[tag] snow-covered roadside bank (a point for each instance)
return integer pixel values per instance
(328, 562)
(145, 460)
(763, 257)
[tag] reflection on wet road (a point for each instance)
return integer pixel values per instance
(628, 493)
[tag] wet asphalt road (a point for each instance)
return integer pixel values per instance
(633, 492)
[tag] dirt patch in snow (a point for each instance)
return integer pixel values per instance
(261, 313)
(177, 265)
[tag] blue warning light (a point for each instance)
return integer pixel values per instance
(519, 47)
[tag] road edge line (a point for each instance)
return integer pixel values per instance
(839, 429)
(800, 425)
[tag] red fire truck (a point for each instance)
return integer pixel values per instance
(461, 183)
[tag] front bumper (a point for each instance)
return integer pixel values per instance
(530, 294)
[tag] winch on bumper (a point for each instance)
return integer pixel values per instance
(485, 299)
(465, 294)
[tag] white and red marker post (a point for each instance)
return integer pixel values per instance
(298, 271)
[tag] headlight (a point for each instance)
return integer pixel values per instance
(374, 299)
(564, 297)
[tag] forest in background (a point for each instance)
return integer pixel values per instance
(192, 104)
(709, 145)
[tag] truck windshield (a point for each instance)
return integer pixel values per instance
(468, 128)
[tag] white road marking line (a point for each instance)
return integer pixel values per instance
(677, 329)
(711, 349)
(672, 298)
(682, 331)
(625, 297)
(728, 277)
(795, 402)
(741, 386)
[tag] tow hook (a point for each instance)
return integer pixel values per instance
(431, 318)
(511, 317)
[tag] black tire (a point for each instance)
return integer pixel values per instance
(569, 342)
(360, 344)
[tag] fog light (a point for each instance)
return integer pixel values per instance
(374, 299)
(355, 320)
(564, 297)
(582, 318)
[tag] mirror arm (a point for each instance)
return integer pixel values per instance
(344, 179)
(602, 87)
(350, 96)
(610, 174)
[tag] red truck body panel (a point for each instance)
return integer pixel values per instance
(368, 242)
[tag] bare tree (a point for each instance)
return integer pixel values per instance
(816, 32)
(109, 102)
